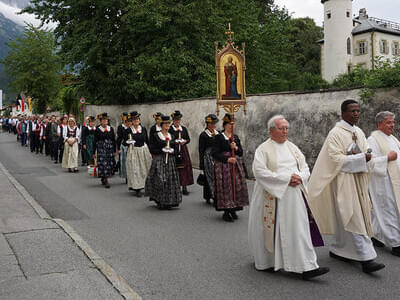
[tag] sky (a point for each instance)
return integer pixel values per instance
(383, 9)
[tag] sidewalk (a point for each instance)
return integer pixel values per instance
(38, 259)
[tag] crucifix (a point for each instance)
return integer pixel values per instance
(229, 33)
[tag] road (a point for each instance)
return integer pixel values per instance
(186, 253)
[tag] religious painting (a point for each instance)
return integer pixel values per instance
(230, 77)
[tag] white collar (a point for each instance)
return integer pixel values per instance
(226, 138)
(91, 128)
(162, 137)
(208, 132)
(102, 128)
(158, 128)
(139, 130)
(73, 128)
(123, 125)
(177, 129)
(350, 127)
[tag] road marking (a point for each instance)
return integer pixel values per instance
(117, 281)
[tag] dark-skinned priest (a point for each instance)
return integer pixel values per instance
(338, 191)
(282, 231)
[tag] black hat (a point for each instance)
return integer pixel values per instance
(176, 115)
(227, 119)
(165, 119)
(124, 116)
(157, 116)
(212, 119)
(134, 115)
(91, 118)
(102, 116)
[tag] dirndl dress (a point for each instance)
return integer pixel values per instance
(138, 163)
(224, 185)
(162, 183)
(122, 161)
(185, 173)
(105, 158)
(208, 190)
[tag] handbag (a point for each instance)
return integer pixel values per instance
(201, 179)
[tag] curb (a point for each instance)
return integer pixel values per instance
(118, 282)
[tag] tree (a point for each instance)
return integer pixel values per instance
(33, 66)
(127, 51)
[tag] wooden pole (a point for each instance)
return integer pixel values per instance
(233, 155)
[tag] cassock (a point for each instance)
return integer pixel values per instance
(384, 189)
(338, 193)
(279, 221)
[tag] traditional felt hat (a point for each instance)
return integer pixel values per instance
(124, 116)
(91, 119)
(157, 116)
(165, 119)
(176, 115)
(227, 119)
(102, 116)
(211, 118)
(134, 115)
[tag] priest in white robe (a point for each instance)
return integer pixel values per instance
(281, 228)
(384, 186)
(338, 191)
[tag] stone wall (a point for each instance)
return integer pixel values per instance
(311, 116)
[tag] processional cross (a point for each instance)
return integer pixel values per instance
(229, 33)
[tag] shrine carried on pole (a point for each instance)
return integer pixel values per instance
(230, 63)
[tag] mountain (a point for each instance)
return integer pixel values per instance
(8, 31)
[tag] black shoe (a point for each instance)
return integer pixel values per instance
(371, 266)
(138, 193)
(103, 181)
(396, 251)
(377, 243)
(55, 162)
(131, 189)
(185, 191)
(227, 217)
(314, 273)
(70, 170)
(208, 201)
(107, 186)
(76, 170)
(234, 215)
(333, 255)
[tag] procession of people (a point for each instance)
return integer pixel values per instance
(352, 193)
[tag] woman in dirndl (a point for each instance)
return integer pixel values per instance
(122, 147)
(156, 127)
(162, 183)
(206, 144)
(225, 198)
(88, 139)
(138, 160)
(104, 144)
(71, 138)
(181, 136)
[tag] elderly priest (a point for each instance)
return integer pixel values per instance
(338, 191)
(384, 186)
(282, 232)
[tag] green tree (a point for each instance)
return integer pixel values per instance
(128, 51)
(33, 66)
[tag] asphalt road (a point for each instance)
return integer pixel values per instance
(187, 253)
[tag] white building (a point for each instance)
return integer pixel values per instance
(358, 41)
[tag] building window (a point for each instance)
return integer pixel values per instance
(362, 48)
(384, 48)
(348, 46)
(348, 14)
(349, 68)
(395, 49)
(329, 14)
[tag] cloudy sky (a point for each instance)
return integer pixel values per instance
(384, 9)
